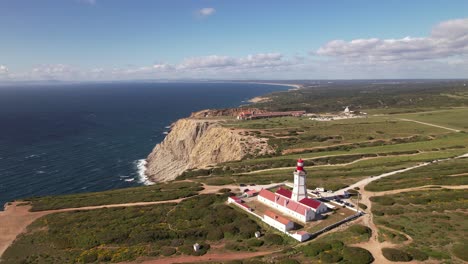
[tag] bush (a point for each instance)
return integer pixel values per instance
(360, 229)
(362, 206)
(288, 261)
(273, 239)
(331, 257)
(215, 234)
(394, 254)
(417, 254)
(459, 250)
(383, 200)
(337, 245)
(356, 255)
(314, 249)
(254, 242)
(167, 251)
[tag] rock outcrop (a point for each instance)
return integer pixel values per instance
(198, 143)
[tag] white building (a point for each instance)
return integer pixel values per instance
(295, 203)
(278, 222)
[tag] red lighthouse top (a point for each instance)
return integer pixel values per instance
(300, 165)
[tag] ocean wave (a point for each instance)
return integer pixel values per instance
(141, 168)
(129, 180)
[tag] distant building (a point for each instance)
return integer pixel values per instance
(253, 115)
(295, 203)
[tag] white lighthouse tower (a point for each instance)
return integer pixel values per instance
(299, 190)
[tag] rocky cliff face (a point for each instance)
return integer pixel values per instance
(195, 143)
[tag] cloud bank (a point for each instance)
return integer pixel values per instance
(449, 38)
(442, 54)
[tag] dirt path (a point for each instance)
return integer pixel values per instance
(429, 124)
(220, 257)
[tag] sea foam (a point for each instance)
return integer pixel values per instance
(141, 168)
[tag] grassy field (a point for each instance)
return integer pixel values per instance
(453, 172)
(335, 176)
(453, 118)
(434, 219)
(156, 192)
(298, 133)
(124, 234)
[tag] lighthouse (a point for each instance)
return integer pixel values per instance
(299, 190)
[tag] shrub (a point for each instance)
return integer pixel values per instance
(254, 242)
(314, 249)
(417, 254)
(331, 257)
(336, 245)
(459, 250)
(167, 251)
(273, 239)
(288, 261)
(362, 206)
(383, 200)
(394, 254)
(360, 229)
(215, 234)
(356, 255)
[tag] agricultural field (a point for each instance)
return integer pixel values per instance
(434, 221)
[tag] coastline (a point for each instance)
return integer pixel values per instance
(143, 164)
(262, 99)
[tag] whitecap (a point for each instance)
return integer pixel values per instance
(40, 172)
(129, 180)
(141, 168)
(31, 156)
(165, 132)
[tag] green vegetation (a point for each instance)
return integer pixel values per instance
(333, 247)
(329, 177)
(435, 219)
(123, 234)
(452, 172)
(156, 192)
(378, 97)
(394, 254)
(453, 118)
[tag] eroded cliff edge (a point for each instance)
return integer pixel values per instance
(197, 143)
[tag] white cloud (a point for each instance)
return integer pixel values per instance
(89, 2)
(447, 39)
(3, 70)
(207, 11)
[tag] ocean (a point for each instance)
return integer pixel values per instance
(72, 138)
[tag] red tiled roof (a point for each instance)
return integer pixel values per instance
(297, 207)
(243, 205)
(267, 195)
(310, 202)
(277, 218)
(251, 192)
(284, 201)
(235, 198)
(284, 192)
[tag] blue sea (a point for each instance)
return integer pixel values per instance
(72, 138)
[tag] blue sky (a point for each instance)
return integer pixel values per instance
(123, 39)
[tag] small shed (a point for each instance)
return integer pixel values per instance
(196, 247)
(258, 234)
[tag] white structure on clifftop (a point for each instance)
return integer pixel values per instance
(296, 203)
(299, 190)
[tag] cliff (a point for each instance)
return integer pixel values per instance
(197, 143)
